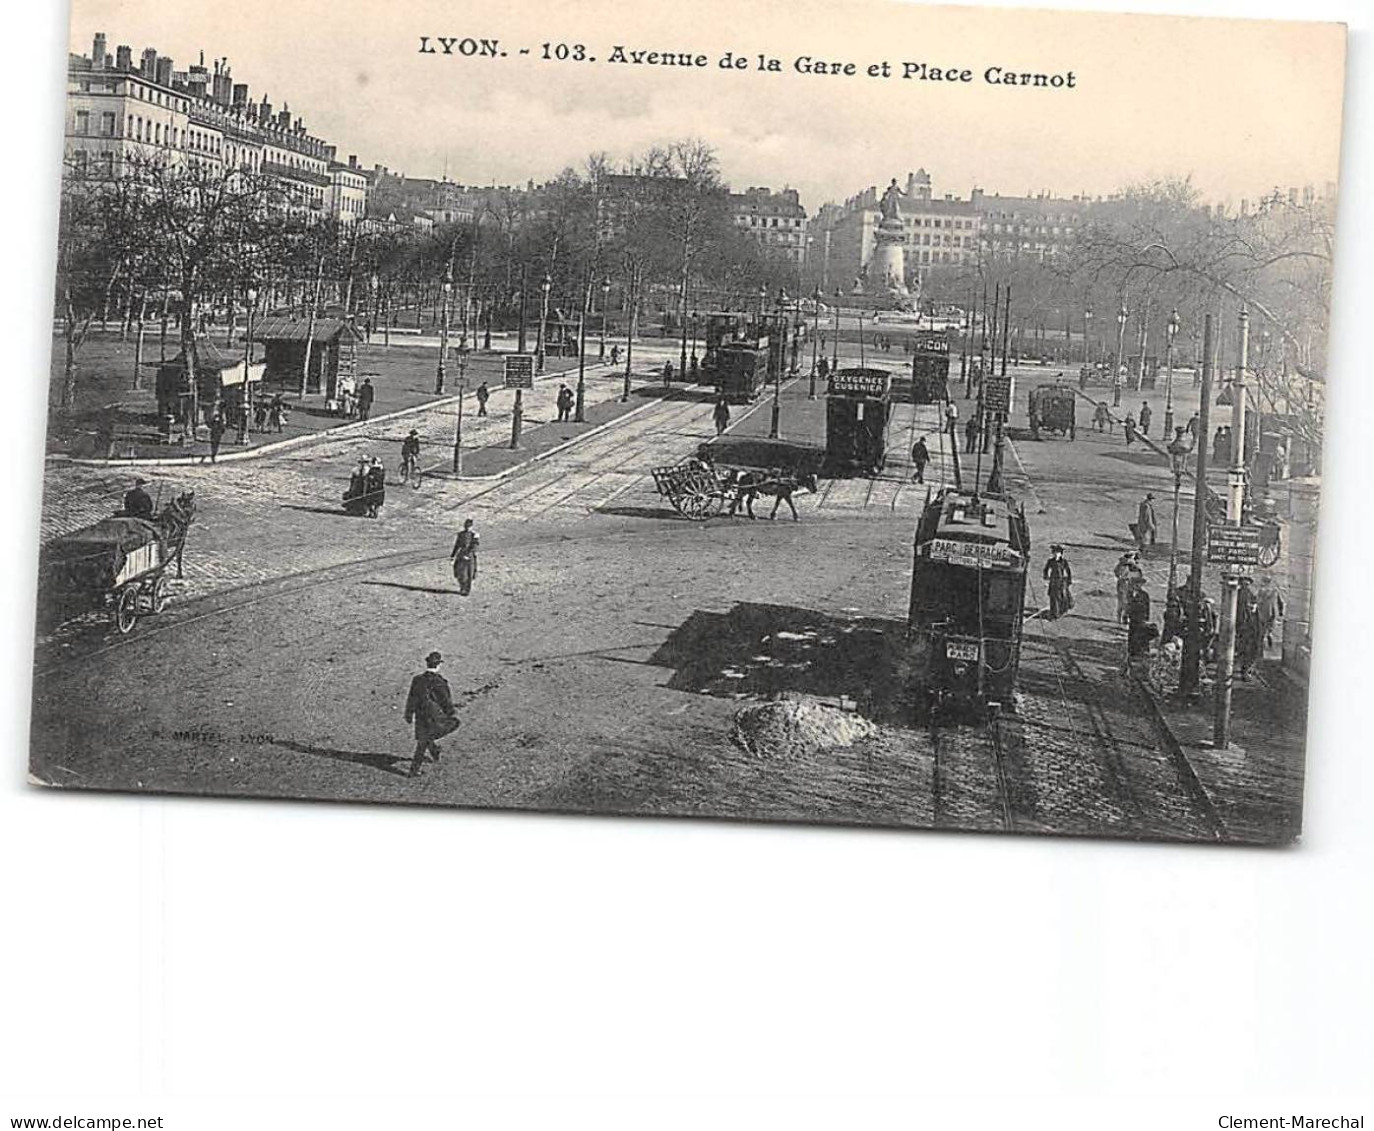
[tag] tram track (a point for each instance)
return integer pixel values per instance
(953, 753)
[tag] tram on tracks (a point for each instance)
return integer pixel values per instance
(968, 591)
(741, 354)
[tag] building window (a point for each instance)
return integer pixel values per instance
(107, 125)
(83, 122)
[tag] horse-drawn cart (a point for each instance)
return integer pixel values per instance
(116, 567)
(734, 472)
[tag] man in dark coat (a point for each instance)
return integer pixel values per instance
(217, 428)
(721, 415)
(483, 393)
(430, 707)
(1146, 528)
(366, 395)
(1145, 414)
(137, 501)
(1059, 574)
(971, 434)
(920, 456)
(464, 557)
(1139, 631)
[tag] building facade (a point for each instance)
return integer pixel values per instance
(123, 114)
(776, 220)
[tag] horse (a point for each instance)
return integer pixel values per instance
(174, 522)
(749, 485)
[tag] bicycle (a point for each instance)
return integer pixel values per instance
(411, 472)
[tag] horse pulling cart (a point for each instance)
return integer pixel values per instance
(116, 567)
(727, 473)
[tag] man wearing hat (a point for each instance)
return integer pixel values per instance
(410, 455)
(464, 557)
(430, 706)
(1146, 528)
(1125, 571)
(137, 501)
(1059, 574)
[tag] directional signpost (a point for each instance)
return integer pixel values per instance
(1235, 548)
(519, 375)
(997, 393)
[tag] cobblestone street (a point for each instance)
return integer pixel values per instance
(609, 644)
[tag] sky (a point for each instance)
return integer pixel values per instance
(1240, 106)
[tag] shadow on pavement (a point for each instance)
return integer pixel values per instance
(413, 588)
(642, 512)
(764, 650)
(338, 512)
(387, 763)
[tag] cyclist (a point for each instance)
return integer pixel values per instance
(410, 455)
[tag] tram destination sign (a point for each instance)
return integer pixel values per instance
(861, 383)
(997, 393)
(958, 552)
(1233, 545)
(519, 372)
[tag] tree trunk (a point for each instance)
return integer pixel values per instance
(138, 341)
(310, 328)
(69, 368)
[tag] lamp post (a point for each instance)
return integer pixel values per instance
(605, 298)
(1235, 504)
(252, 296)
(544, 288)
(1178, 450)
(773, 427)
(1087, 330)
(1170, 333)
(443, 329)
(1121, 316)
(579, 414)
(815, 341)
(372, 317)
(458, 429)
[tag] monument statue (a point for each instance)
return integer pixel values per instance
(889, 202)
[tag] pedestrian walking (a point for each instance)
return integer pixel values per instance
(1270, 608)
(721, 415)
(137, 502)
(920, 456)
(615, 355)
(483, 393)
(1129, 427)
(1145, 414)
(374, 485)
(971, 435)
(1101, 416)
(464, 557)
(1125, 571)
(1139, 631)
(823, 369)
(667, 372)
(429, 705)
(217, 428)
(1059, 574)
(1192, 426)
(1146, 527)
(564, 402)
(366, 394)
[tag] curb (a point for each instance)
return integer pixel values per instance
(276, 445)
(1194, 784)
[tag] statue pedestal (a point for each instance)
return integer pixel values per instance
(887, 269)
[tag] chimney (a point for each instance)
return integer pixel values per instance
(240, 95)
(148, 64)
(124, 58)
(98, 50)
(264, 112)
(164, 70)
(352, 160)
(224, 86)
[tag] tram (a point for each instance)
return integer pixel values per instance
(930, 367)
(968, 590)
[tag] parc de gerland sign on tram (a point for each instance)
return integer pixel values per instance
(519, 371)
(1237, 548)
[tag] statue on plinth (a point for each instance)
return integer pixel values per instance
(889, 205)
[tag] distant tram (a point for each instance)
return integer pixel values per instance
(930, 367)
(739, 356)
(968, 590)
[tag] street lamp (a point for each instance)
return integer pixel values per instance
(252, 296)
(1171, 332)
(458, 430)
(815, 340)
(544, 287)
(1121, 316)
(1087, 329)
(443, 329)
(773, 427)
(579, 414)
(372, 317)
(1178, 450)
(605, 298)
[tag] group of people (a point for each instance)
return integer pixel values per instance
(366, 488)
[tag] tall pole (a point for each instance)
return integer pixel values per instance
(774, 427)
(520, 341)
(995, 475)
(1190, 675)
(539, 347)
(517, 417)
(1170, 332)
(630, 328)
(1117, 364)
(1221, 735)
(835, 345)
(605, 295)
(1177, 451)
(815, 342)
(443, 328)
(458, 428)
(579, 414)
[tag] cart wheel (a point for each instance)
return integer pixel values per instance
(157, 598)
(696, 507)
(1269, 553)
(126, 609)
